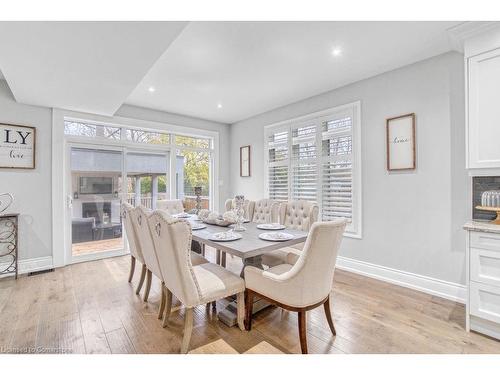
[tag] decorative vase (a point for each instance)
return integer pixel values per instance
(239, 201)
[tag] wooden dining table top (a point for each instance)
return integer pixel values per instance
(250, 245)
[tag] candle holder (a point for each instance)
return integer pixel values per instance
(197, 192)
(239, 202)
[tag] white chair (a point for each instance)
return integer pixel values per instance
(266, 211)
(299, 215)
(139, 220)
(171, 207)
(248, 207)
(135, 250)
(192, 285)
(304, 285)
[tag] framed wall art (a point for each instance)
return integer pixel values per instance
(401, 143)
(17, 146)
(245, 161)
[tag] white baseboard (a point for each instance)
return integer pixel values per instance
(436, 287)
(31, 265)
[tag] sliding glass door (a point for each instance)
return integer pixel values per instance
(94, 200)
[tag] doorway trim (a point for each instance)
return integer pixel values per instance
(60, 164)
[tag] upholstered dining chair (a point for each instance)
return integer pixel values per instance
(172, 207)
(135, 250)
(248, 207)
(299, 215)
(266, 211)
(139, 219)
(192, 285)
(304, 285)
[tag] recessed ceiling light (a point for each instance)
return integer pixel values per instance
(337, 51)
(219, 106)
(151, 89)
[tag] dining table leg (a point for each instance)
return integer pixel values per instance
(229, 314)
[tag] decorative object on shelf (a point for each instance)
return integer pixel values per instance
(490, 201)
(9, 243)
(6, 200)
(17, 146)
(490, 198)
(239, 202)
(197, 192)
(245, 161)
(400, 132)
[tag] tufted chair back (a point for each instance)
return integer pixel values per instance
(171, 207)
(133, 242)
(172, 240)
(248, 207)
(139, 216)
(266, 211)
(299, 214)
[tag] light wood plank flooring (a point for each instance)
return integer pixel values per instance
(90, 308)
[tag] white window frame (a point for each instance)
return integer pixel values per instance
(59, 161)
(354, 230)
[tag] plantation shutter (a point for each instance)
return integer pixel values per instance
(337, 162)
(304, 162)
(278, 160)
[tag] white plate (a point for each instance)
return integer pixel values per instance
(182, 215)
(272, 226)
(225, 236)
(198, 226)
(276, 236)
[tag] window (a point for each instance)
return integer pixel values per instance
(159, 165)
(91, 130)
(317, 158)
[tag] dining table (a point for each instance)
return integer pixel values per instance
(249, 248)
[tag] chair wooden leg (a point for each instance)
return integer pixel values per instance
(148, 285)
(188, 330)
(303, 331)
(162, 302)
(248, 309)
(168, 306)
(203, 249)
(223, 260)
(132, 268)
(328, 314)
(141, 280)
(240, 306)
(217, 256)
(214, 305)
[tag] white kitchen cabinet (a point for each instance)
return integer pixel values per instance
(484, 110)
(483, 278)
(482, 68)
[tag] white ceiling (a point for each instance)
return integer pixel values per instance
(253, 67)
(84, 66)
(247, 67)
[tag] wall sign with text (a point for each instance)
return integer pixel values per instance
(401, 142)
(17, 146)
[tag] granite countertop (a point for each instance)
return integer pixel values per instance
(482, 226)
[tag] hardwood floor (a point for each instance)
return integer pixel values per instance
(82, 248)
(91, 308)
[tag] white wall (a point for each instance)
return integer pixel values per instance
(411, 220)
(31, 188)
